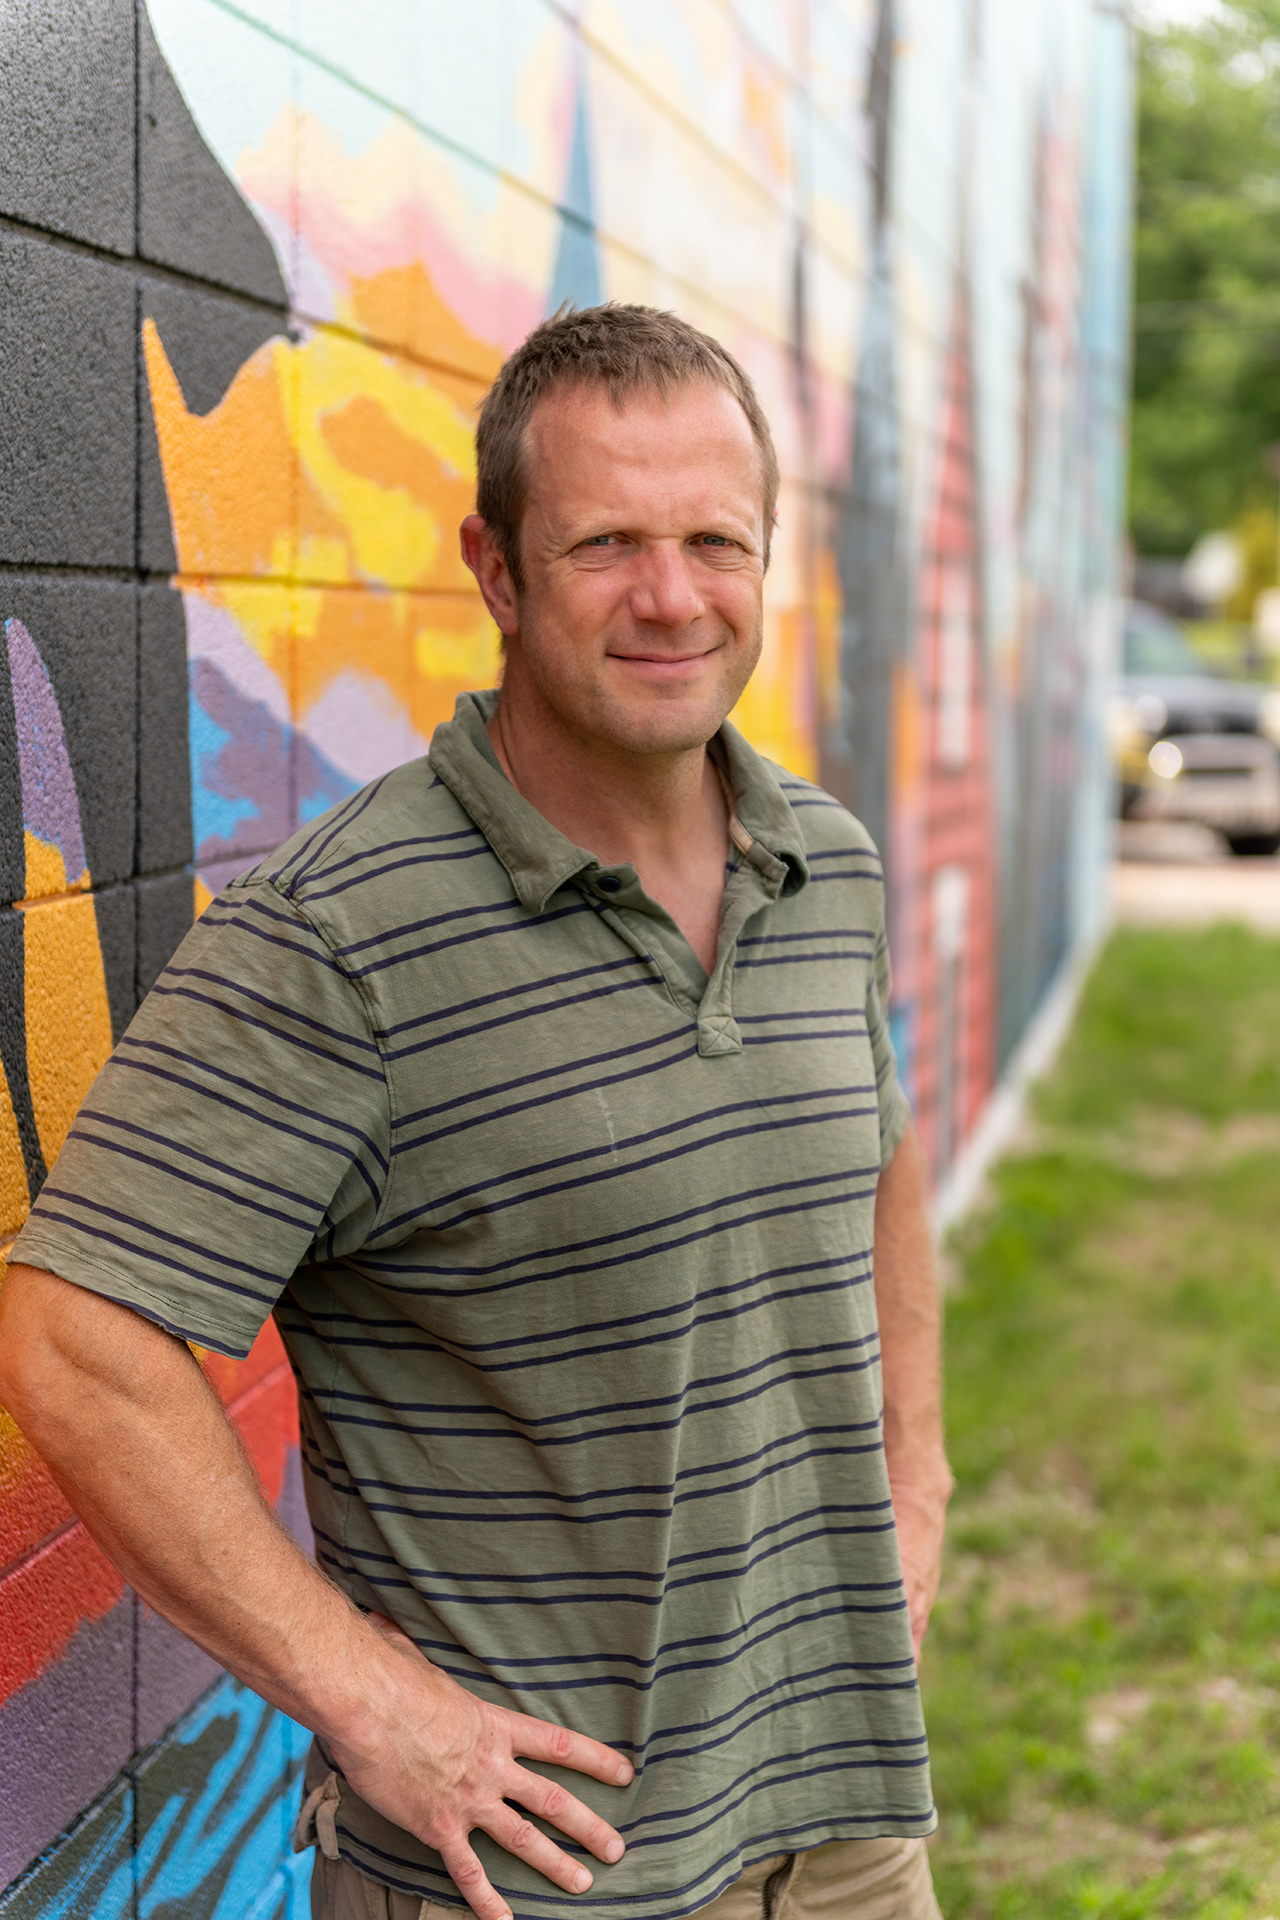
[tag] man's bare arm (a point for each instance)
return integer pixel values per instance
(911, 1364)
(138, 1442)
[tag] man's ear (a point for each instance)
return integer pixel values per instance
(483, 555)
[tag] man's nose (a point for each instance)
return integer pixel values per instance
(664, 592)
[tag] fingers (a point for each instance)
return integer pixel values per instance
(519, 1836)
(553, 1803)
(539, 1740)
(472, 1882)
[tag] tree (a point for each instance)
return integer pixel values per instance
(1206, 377)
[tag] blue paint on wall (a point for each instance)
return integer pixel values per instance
(198, 1827)
(215, 814)
(577, 272)
(88, 1874)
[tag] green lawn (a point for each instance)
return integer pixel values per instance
(1102, 1679)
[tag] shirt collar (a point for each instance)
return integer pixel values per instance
(541, 860)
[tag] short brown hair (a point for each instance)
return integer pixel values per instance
(626, 350)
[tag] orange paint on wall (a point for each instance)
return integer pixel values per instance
(68, 1016)
(45, 871)
(230, 473)
(402, 303)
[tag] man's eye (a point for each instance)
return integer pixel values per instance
(598, 540)
(715, 540)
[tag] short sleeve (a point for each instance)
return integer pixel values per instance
(241, 1126)
(895, 1110)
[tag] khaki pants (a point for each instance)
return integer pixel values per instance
(847, 1880)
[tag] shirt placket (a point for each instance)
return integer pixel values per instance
(754, 881)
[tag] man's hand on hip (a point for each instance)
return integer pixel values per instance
(136, 1439)
(447, 1763)
(921, 1517)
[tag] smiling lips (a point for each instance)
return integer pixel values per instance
(664, 659)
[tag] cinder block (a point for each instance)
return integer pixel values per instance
(13, 866)
(63, 1738)
(31, 1504)
(164, 753)
(205, 341)
(116, 913)
(171, 1674)
(84, 632)
(455, 646)
(386, 466)
(13, 1047)
(67, 407)
(213, 1803)
(165, 912)
(88, 1875)
(191, 215)
(66, 134)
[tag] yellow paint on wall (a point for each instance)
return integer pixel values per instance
(68, 1017)
(46, 873)
(775, 709)
(828, 605)
(14, 1198)
(392, 459)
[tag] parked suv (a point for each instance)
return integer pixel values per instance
(1191, 745)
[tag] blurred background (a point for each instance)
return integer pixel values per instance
(1197, 714)
(259, 261)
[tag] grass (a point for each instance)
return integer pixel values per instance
(1102, 1679)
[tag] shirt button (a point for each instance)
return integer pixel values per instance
(609, 883)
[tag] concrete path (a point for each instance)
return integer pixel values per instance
(1185, 876)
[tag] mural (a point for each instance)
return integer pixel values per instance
(259, 265)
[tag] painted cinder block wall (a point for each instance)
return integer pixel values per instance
(259, 260)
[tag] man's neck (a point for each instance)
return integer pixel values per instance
(644, 810)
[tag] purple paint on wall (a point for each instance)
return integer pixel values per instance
(65, 1736)
(245, 766)
(49, 805)
(171, 1673)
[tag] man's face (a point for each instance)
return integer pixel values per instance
(643, 554)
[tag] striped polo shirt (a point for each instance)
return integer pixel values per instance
(570, 1246)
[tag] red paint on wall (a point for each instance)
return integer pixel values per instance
(955, 936)
(230, 1378)
(259, 1394)
(52, 1577)
(31, 1506)
(267, 1417)
(46, 1598)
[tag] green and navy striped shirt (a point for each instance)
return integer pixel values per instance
(571, 1248)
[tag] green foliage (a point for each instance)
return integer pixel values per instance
(1102, 1679)
(1206, 396)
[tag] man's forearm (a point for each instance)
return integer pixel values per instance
(136, 1438)
(909, 1312)
(137, 1441)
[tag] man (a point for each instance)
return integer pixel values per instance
(544, 1090)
